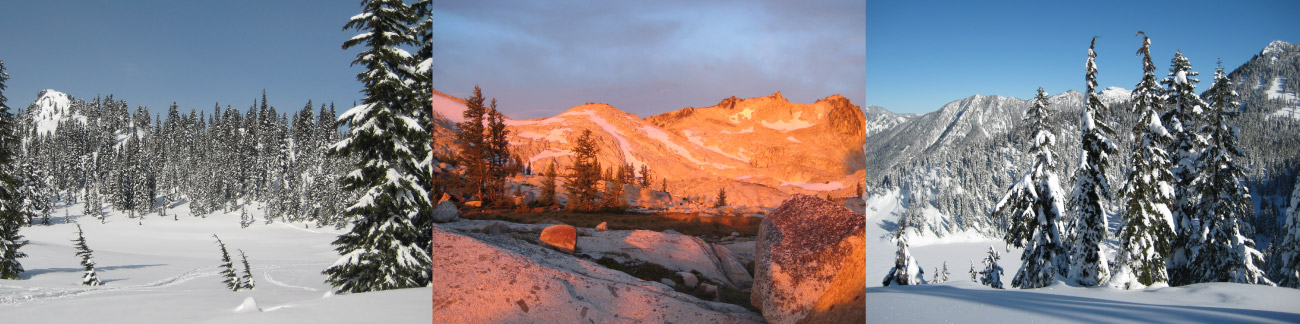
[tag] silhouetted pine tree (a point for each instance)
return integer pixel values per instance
(584, 174)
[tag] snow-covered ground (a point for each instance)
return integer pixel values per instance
(959, 300)
(166, 271)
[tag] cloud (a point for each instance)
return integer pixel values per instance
(539, 58)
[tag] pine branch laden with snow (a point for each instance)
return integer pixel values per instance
(384, 249)
(1148, 191)
(1183, 119)
(1088, 266)
(245, 280)
(1219, 250)
(1033, 207)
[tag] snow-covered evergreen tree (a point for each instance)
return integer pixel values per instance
(1286, 248)
(245, 280)
(87, 261)
(1220, 250)
(1148, 191)
(905, 271)
(1091, 187)
(945, 273)
(11, 216)
(992, 274)
(1183, 118)
(1034, 207)
(972, 272)
(383, 249)
(227, 267)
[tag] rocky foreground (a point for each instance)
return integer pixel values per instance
(809, 263)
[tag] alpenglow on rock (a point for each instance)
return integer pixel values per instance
(810, 263)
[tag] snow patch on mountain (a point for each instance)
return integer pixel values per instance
(450, 109)
(748, 113)
(1111, 95)
(555, 135)
(792, 139)
(789, 125)
(1277, 90)
(743, 131)
(697, 140)
(551, 153)
(817, 186)
(623, 144)
(50, 108)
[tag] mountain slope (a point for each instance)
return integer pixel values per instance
(759, 149)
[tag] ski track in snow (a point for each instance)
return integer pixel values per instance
(267, 274)
(24, 295)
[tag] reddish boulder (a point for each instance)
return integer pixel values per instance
(809, 263)
(561, 237)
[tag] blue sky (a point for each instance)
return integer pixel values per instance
(922, 55)
(539, 58)
(195, 53)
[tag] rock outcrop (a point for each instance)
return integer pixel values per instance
(810, 262)
(482, 278)
(446, 210)
(561, 237)
(673, 251)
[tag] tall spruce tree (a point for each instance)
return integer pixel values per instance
(1034, 207)
(383, 250)
(1148, 191)
(246, 279)
(548, 184)
(584, 174)
(1091, 187)
(1221, 251)
(498, 157)
(473, 145)
(89, 278)
(1183, 119)
(11, 215)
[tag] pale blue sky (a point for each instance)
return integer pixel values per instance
(923, 54)
(193, 52)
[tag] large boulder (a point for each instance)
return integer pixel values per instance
(483, 278)
(732, 268)
(809, 263)
(674, 251)
(562, 237)
(446, 210)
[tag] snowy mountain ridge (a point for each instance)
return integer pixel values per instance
(51, 108)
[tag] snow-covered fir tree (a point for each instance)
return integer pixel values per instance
(1285, 257)
(972, 272)
(1091, 187)
(992, 274)
(11, 215)
(1183, 119)
(383, 249)
(89, 278)
(945, 273)
(905, 271)
(246, 279)
(227, 267)
(1148, 190)
(1219, 249)
(1034, 206)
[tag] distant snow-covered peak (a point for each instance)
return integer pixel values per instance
(1277, 47)
(1111, 95)
(50, 108)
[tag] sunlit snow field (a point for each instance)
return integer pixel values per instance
(166, 271)
(962, 301)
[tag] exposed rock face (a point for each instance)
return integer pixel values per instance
(673, 251)
(446, 210)
(602, 227)
(562, 237)
(810, 262)
(744, 145)
(689, 279)
(732, 267)
(497, 279)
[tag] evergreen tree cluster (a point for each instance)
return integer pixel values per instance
(140, 165)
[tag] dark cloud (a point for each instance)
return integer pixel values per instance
(540, 58)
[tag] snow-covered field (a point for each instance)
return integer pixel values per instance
(166, 271)
(959, 300)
